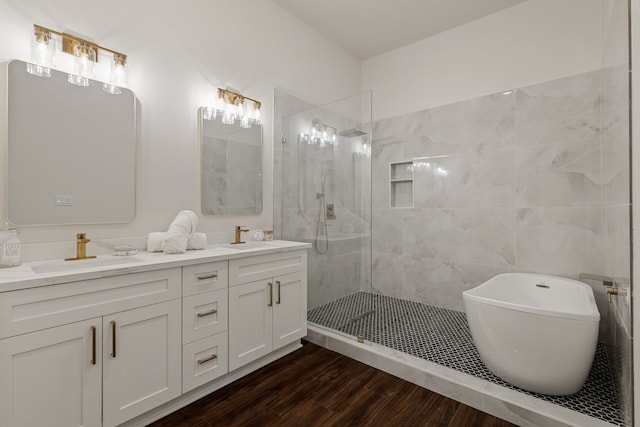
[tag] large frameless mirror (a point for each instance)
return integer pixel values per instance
(231, 167)
(71, 153)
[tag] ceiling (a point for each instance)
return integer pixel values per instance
(367, 28)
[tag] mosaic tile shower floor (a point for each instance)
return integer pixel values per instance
(442, 336)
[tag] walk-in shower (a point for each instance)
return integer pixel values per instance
(326, 196)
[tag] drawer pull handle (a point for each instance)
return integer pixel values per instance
(207, 313)
(207, 359)
(93, 345)
(278, 300)
(113, 338)
(270, 295)
(208, 276)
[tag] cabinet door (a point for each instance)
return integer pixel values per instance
(250, 322)
(289, 308)
(142, 369)
(53, 377)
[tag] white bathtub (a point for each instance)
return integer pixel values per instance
(536, 332)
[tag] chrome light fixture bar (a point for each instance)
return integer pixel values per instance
(43, 50)
(232, 106)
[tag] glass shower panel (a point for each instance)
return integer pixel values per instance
(326, 201)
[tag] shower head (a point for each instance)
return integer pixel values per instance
(353, 132)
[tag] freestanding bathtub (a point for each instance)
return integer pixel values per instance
(536, 332)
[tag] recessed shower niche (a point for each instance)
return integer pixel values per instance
(401, 184)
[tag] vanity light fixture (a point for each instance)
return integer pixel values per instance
(43, 50)
(321, 134)
(232, 106)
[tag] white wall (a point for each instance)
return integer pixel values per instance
(179, 53)
(529, 43)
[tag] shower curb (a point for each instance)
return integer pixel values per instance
(504, 403)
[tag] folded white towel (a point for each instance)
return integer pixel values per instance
(197, 241)
(154, 241)
(184, 223)
(175, 243)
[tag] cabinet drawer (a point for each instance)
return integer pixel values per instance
(204, 277)
(40, 308)
(204, 360)
(204, 314)
(250, 269)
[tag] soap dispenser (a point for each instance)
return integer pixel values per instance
(9, 246)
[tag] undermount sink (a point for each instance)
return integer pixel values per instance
(58, 266)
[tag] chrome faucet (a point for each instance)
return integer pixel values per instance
(81, 248)
(239, 230)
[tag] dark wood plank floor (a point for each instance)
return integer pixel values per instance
(317, 387)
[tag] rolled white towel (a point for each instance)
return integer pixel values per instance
(175, 243)
(154, 241)
(184, 223)
(197, 241)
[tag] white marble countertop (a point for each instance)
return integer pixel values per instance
(53, 272)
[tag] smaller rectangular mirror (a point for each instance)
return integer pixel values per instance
(231, 168)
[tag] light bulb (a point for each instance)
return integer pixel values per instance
(245, 122)
(42, 53)
(228, 118)
(240, 108)
(84, 65)
(118, 76)
(209, 113)
(256, 114)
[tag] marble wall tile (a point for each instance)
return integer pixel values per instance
(480, 124)
(615, 167)
(615, 135)
(617, 242)
(387, 226)
(564, 174)
(387, 274)
(215, 194)
(382, 156)
(474, 236)
(386, 131)
(214, 151)
(562, 110)
(484, 179)
(441, 283)
(559, 241)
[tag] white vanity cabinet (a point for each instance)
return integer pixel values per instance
(125, 346)
(204, 323)
(52, 377)
(141, 360)
(65, 369)
(267, 304)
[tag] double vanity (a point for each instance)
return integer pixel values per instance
(126, 340)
